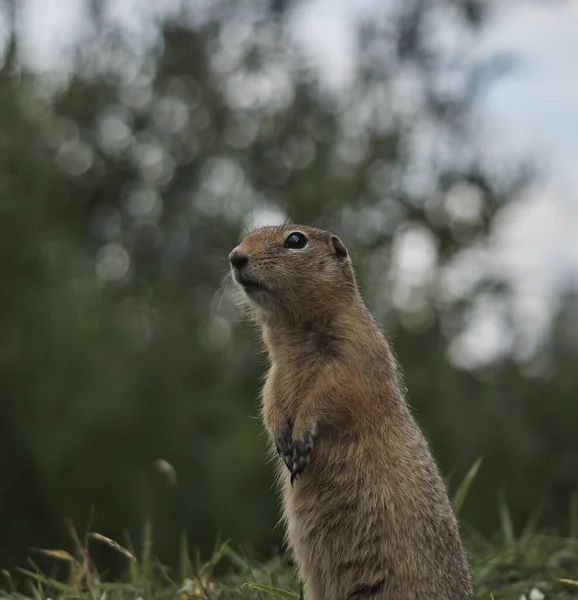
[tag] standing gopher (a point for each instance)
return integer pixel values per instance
(368, 515)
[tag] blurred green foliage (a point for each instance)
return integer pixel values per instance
(125, 182)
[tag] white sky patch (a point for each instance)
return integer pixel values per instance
(324, 29)
(414, 254)
(49, 30)
(485, 341)
(536, 249)
(264, 216)
(537, 103)
(4, 28)
(139, 19)
(532, 113)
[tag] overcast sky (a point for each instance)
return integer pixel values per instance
(532, 111)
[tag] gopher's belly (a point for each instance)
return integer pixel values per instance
(339, 522)
(359, 524)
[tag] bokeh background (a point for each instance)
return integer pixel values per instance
(139, 141)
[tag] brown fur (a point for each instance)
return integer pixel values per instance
(369, 516)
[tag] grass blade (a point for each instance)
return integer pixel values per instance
(220, 551)
(568, 581)
(42, 580)
(574, 516)
(106, 540)
(464, 487)
(146, 552)
(531, 526)
(273, 591)
(506, 526)
(185, 567)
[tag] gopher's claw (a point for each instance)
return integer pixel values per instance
(301, 456)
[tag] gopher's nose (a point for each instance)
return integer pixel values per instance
(238, 259)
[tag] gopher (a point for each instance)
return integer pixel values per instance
(367, 512)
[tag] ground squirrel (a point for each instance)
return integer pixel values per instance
(368, 514)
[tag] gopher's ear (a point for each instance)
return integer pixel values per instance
(338, 248)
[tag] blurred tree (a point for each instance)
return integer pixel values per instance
(124, 184)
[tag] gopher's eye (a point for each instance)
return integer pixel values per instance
(295, 240)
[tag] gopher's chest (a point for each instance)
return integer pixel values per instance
(287, 386)
(336, 468)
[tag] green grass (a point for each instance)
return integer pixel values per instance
(506, 567)
(511, 565)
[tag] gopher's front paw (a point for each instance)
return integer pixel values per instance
(302, 449)
(284, 444)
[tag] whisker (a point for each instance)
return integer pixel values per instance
(227, 278)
